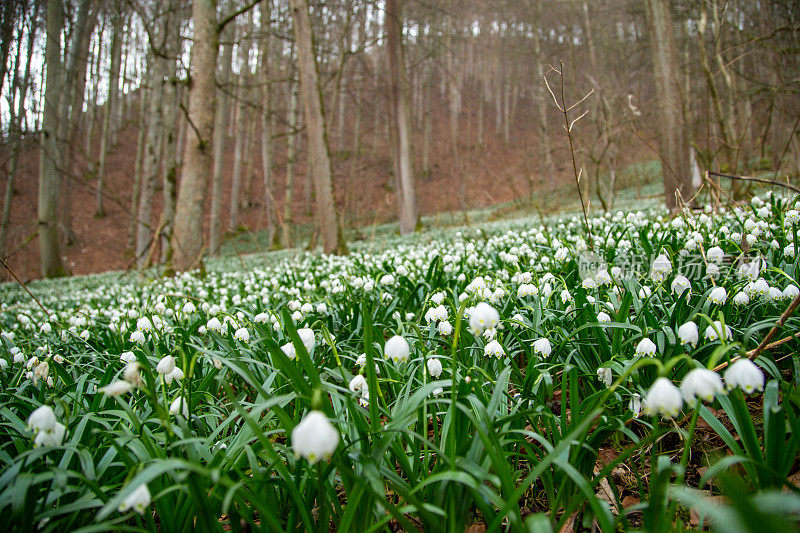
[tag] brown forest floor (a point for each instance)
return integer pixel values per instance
(493, 173)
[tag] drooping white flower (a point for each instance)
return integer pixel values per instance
(791, 291)
(361, 360)
(715, 254)
(127, 357)
(308, 338)
(542, 347)
(718, 295)
(646, 347)
(242, 335)
(603, 317)
(176, 373)
(689, 334)
(144, 324)
(635, 404)
(138, 500)
(214, 324)
(605, 376)
(189, 308)
(118, 388)
(680, 284)
(179, 406)
(314, 437)
(663, 399)
(713, 332)
(132, 375)
(289, 350)
(54, 437)
(42, 419)
(357, 383)
(482, 317)
(701, 383)
(434, 367)
(138, 337)
(661, 268)
(444, 328)
(495, 349)
(741, 298)
(744, 374)
(166, 365)
(397, 349)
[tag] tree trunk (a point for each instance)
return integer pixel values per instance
(187, 240)
(172, 97)
(20, 84)
(152, 157)
(291, 155)
(220, 139)
(113, 89)
(327, 217)
(399, 95)
(541, 93)
(673, 141)
(140, 145)
(267, 120)
(50, 256)
(72, 105)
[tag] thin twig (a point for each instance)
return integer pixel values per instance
(23, 286)
(757, 180)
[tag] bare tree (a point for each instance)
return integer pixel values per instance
(50, 255)
(673, 140)
(399, 101)
(327, 218)
(187, 237)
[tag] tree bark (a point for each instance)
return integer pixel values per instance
(172, 98)
(187, 240)
(399, 96)
(50, 256)
(291, 155)
(673, 141)
(220, 139)
(327, 218)
(18, 118)
(108, 111)
(267, 120)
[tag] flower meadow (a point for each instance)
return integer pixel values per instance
(524, 376)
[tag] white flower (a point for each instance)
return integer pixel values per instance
(189, 308)
(542, 347)
(661, 268)
(745, 375)
(118, 388)
(214, 324)
(718, 295)
(445, 328)
(663, 399)
(482, 317)
(242, 335)
(434, 367)
(566, 296)
(688, 333)
(131, 374)
(307, 337)
(646, 347)
(589, 283)
(741, 298)
(361, 360)
(42, 419)
(715, 254)
(701, 383)
(3, 364)
(357, 383)
(314, 437)
(53, 437)
(176, 373)
(144, 324)
(602, 277)
(138, 500)
(603, 317)
(397, 349)
(437, 298)
(322, 308)
(791, 291)
(680, 284)
(166, 365)
(605, 376)
(494, 348)
(713, 332)
(138, 337)
(127, 357)
(712, 270)
(261, 318)
(635, 404)
(179, 406)
(289, 350)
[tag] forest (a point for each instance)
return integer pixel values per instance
(400, 265)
